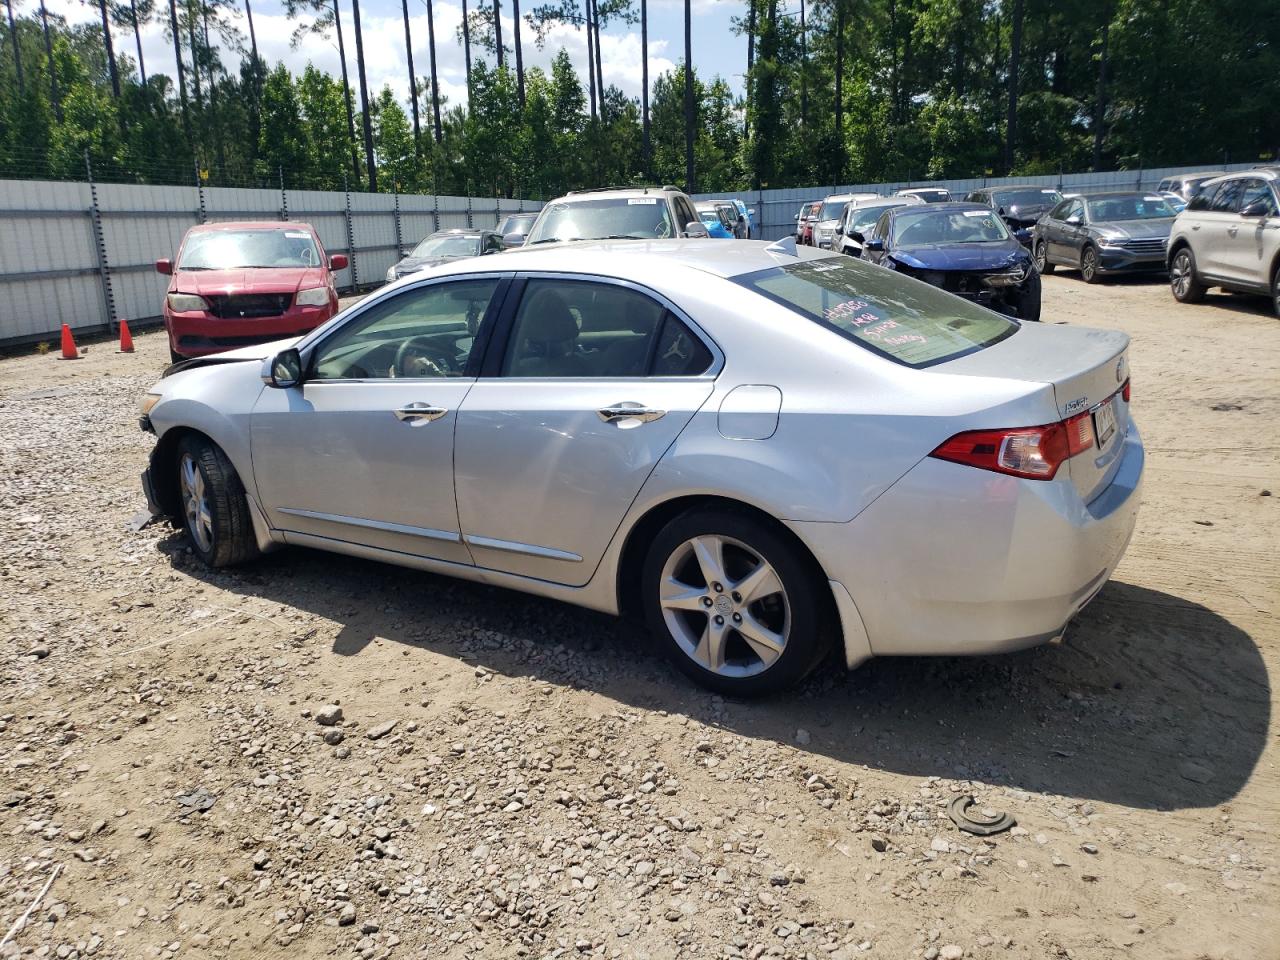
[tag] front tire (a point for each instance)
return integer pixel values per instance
(215, 508)
(1183, 282)
(1029, 305)
(1089, 271)
(1275, 290)
(735, 604)
(1042, 259)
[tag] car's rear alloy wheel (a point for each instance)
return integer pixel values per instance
(1042, 258)
(1182, 278)
(737, 606)
(1275, 291)
(215, 508)
(1089, 265)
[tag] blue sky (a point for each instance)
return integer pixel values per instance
(715, 48)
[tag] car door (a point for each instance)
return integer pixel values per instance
(1247, 242)
(1214, 241)
(589, 383)
(362, 450)
(1072, 234)
(1049, 230)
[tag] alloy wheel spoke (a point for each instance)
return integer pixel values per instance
(710, 650)
(709, 552)
(766, 643)
(759, 583)
(681, 596)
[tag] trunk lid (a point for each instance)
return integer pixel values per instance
(1086, 368)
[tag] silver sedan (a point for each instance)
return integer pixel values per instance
(762, 450)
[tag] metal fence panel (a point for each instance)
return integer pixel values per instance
(51, 272)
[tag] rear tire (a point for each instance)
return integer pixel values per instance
(1089, 271)
(215, 508)
(1183, 281)
(1275, 290)
(774, 610)
(1042, 259)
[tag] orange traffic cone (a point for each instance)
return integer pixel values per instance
(69, 350)
(126, 341)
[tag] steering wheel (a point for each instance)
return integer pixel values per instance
(414, 359)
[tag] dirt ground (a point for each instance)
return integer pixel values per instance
(517, 778)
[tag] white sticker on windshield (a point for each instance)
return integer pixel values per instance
(642, 201)
(976, 213)
(1156, 199)
(297, 235)
(1048, 191)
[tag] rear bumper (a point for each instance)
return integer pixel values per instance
(953, 560)
(199, 334)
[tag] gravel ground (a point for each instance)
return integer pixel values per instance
(317, 756)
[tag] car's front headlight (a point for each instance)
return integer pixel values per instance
(1009, 278)
(313, 297)
(1110, 241)
(149, 400)
(186, 302)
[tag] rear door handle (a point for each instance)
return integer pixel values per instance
(628, 410)
(420, 412)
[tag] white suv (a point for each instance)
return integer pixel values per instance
(618, 213)
(1229, 237)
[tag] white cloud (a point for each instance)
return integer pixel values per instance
(383, 37)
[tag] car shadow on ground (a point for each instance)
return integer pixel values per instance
(1151, 702)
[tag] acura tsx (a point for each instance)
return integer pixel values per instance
(763, 450)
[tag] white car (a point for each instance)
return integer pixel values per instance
(858, 218)
(764, 450)
(824, 229)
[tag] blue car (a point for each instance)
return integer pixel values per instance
(716, 219)
(964, 248)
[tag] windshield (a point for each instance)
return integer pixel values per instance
(643, 218)
(240, 249)
(1137, 206)
(921, 226)
(450, 246)
(864, 217)
(1030, 197)
(831, 209)
(519, 225)
(904, 320)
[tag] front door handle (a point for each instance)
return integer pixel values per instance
(1233, 230)
(420, 413)
(629, 410)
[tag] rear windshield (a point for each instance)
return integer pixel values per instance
(638, 218)
(905, 320)
(519, 224)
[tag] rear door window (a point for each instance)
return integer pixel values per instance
(907, 321)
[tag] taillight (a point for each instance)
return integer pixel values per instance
(1124, 391)
(1031, 452)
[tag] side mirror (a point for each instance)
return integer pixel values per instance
(696, 228)
(487, 251)
(1023, 235)
(1259, 208)
(164, 266)
(1074, 220)
(796, 218)
(339, 261)
(875, 245)
(857, 235)
(283, 370)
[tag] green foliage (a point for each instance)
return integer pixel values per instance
(924, 94)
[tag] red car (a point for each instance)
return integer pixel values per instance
(237, 284)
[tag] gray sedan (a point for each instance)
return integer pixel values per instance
(1102, 233)
(765, 451)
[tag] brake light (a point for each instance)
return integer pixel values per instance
(1031, 452)
(1124, 391)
